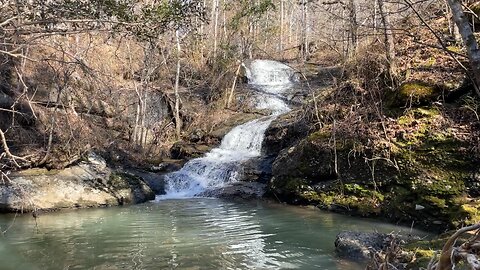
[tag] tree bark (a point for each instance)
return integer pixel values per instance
(353, 28)
(178, 120)
(215, 11)
(282, 7)
(468, 40)
(305, 29)
(389, 42)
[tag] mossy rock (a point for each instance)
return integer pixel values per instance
(416, 93)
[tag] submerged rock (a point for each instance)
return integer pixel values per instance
(88, 184)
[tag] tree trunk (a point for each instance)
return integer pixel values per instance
(389, 42)
(178, 121)
(281, 24)
(352, 46)
(468, 39)
(305, 29)
(215, 28)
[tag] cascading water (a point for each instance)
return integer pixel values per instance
(222, 165)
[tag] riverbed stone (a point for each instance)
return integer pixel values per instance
(88, 184)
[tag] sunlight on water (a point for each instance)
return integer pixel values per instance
(182, 234)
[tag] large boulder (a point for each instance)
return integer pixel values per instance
(283, 132)
(88, 184)
(360, 245)
(156, 181)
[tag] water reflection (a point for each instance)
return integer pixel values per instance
(180, 234)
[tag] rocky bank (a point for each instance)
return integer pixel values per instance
(87, 184)
(429, 178)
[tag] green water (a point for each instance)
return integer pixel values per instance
(180, 234)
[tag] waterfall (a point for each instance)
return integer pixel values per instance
(222, 165)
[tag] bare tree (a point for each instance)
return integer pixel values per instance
(468, 39)
(389, 41)
(178, 120)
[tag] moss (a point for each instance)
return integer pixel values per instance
(424, 253)
(321, 135)
(413, 93)
(362, 191)
(119, 180)
(429, 63)
(352, 198)
(311, 196)
(455, 49)
(416, 89)
(435, 201)
(470, 212)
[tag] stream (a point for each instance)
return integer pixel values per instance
(183, 230)
(197, 233)
(222, 165)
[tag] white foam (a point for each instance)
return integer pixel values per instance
(222, 165)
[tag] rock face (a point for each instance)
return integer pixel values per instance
(88, 184)
(283, 132)
(359, 245)
(156, 181)
(429, 177)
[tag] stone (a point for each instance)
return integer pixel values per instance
(419, 207)
(359, 245)
(156, 181)
(282, 133)
(88, 184)
(96, 160)
(238, 190)
(183, 150)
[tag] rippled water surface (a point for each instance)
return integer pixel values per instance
(180, 234)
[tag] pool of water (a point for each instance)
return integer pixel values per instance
(180, 234)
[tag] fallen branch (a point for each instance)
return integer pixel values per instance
(9, 154)
(450, 254)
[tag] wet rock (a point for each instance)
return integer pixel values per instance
(283, 132)
(257, 170)
(167, 166)
(97, 161)
(156, 181)
(88, 184)
(359, 245)
(238, 190)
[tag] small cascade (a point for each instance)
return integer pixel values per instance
(222, 165)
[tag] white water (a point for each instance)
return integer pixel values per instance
(222, 165)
